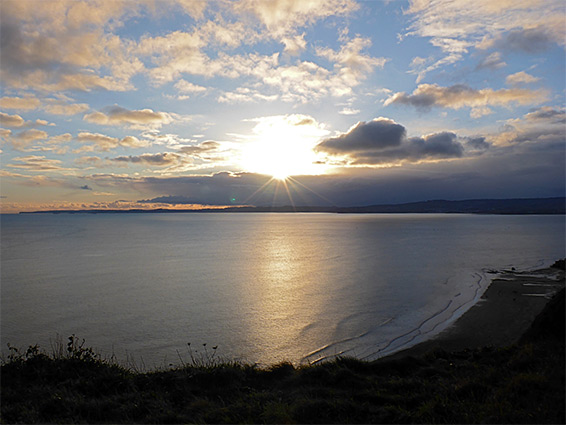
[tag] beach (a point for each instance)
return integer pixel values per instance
(501, 316)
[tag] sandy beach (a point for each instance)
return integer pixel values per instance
(504, 312)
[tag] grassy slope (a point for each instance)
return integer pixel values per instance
(519, 384)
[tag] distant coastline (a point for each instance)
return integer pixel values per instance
(525, 206)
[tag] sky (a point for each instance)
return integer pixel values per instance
(109, 104)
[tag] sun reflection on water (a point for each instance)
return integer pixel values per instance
(283, 296)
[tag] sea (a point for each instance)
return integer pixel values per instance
(152, 289)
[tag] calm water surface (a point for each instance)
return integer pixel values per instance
(264, 287)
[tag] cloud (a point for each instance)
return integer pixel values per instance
(65, 45)
(200, 149)
(282, 17)
(92, 162)
(458, 96)
(225, 33)
(171, 200)
(527, 40)
(458, 26)
(438, 145)
(20, 103)
(40, 164)
(65, 109)
(174, 54)
(377, 134)
(303, 81)
(5, 134)
(543, 128)
(17, 121)
(194, 8)
(23, 139)
(157, 159)
(181, 53)
(187, 87)
(61, 138)
(547, 114)
(37, 163)
(492, 61)
(476, 145)
(188, 157)
(383, 141)
(101, 142)
(294, 45)
(349, 111)
(245, 95)
(11, 120)
(37, 142)
(351, 63)
(139, 119)
(520, 78)
(288, 126)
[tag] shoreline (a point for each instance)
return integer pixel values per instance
(503, 313)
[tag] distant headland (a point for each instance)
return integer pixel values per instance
(472, 206)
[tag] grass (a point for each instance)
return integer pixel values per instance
(523, 383)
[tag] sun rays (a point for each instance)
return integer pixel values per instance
(293, 190)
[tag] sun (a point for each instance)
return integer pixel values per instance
(280, 175)
(281, 148)
(278, 158)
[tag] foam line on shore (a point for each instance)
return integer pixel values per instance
(439, 326)
(332, 344)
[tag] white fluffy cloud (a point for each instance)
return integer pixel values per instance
(521, 77)
(282, 17)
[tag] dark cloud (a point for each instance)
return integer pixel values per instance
(384, 141)
(85, 187)
(13, 54)
(438, 145)
(366, 136)
(547, 113)
(529, 40)
(477, 144)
